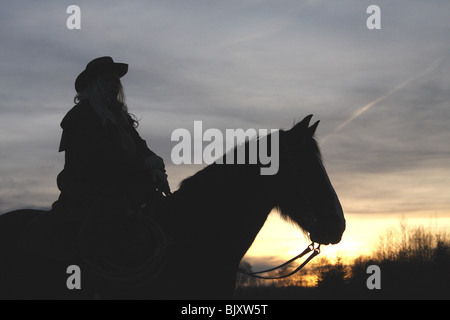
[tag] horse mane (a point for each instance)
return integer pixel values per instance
(202, 177)
(316, 148)
(210, 173)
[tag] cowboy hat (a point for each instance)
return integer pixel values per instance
(97, 67)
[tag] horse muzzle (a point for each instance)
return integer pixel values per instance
(328, 234)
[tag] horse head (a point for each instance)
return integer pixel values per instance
(305, 194)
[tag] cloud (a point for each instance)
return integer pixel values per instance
(252, 64)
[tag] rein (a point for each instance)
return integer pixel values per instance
(309, 248)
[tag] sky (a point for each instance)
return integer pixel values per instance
(382, 96)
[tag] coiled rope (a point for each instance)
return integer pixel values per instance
(142, 274)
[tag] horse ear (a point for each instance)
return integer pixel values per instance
(313, 128)
(303, 125)
(305, 122)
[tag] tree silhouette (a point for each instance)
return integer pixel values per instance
(244, 280)
(332, 277)
(414, 264)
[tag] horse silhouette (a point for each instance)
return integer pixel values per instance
(197, 236)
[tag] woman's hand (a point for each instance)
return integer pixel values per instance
(157, 170)
(159, 178)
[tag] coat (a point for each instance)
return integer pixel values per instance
(97, 166)
(102, 185)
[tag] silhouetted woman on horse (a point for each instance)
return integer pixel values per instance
(191, 244)
(109, 171)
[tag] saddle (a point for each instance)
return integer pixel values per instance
(125, 246)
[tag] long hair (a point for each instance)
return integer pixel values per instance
(112, 110)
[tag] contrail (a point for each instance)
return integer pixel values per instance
(366, 107)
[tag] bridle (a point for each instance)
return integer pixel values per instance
(315, 250)
(309, 248)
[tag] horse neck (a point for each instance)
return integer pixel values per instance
(224, 210)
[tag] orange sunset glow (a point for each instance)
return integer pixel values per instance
(279, 241)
